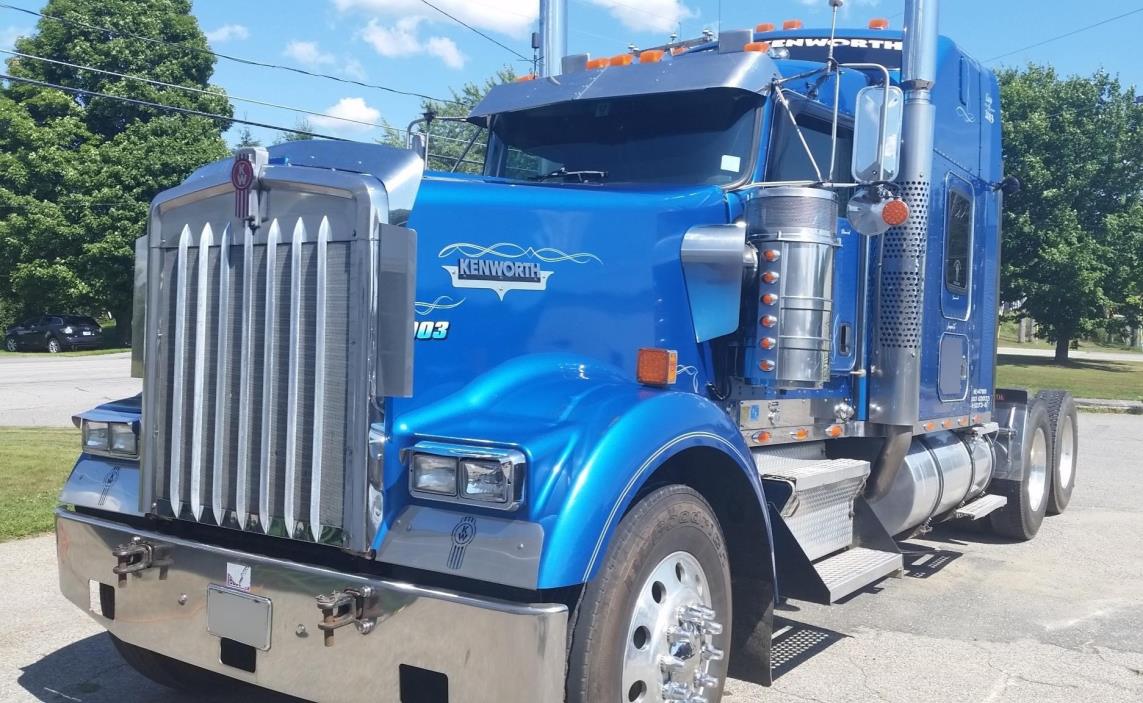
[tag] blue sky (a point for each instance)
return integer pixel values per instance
(407, 45)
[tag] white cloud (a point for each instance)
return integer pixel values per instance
(354, 69)
(348, 109)
(9, 35)
(227, 32)
(660, 16)
(308, 53)
(513, 17)
(402, 40)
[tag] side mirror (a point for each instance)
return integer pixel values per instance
(880, 116)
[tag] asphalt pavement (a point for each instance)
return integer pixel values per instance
(42, 390)
(975, 620)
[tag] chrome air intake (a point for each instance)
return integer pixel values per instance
(795, 229)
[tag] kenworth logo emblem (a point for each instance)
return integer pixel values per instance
(506, 266)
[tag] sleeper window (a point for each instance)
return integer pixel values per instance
(958, 248)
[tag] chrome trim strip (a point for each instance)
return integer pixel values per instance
(320, 362)
(202, 291)
(223, 364)
(246, 383)
(177, 391)
(268, 368)
(490, 650)
(294, 382)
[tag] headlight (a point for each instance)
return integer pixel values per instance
(486, 476)
(117, 439)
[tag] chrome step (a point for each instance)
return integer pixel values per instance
(854, 569)
(981, 507)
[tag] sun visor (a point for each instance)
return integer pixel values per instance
(747, 71)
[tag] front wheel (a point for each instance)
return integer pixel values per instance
(654, 624)
(54, 346)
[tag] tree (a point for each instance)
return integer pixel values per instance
(449, 141)
(246, 138)
(304, 132)
(1074, 143)
(77, 172)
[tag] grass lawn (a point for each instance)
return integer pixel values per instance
(1009, 335)
(1085, 379)
(34, 463)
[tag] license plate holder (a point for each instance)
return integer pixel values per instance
(239, 616)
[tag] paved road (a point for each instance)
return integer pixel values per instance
(1056, 620)
(1075, 355)
(38, 390)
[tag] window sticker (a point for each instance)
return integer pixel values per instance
(731, 163)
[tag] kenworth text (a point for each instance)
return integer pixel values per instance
(714, 328)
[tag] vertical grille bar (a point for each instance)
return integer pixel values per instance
(320, 363)
(222, 423)
(198, 422)
(178, 390)
(269, 369)
(298, 332)
(245, 387)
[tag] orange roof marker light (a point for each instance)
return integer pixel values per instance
(792, 24)
(879, 23)
(652, 56)
(657, 367)
(765, 27)
(622, 60)
(526, 78)
(678, 50)
(596, 64)
(758, 46)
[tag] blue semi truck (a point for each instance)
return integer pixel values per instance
(714, 328)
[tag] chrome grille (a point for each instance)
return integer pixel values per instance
(254, 361)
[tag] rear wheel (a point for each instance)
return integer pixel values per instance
(171, 673)
(1027, 497)
(10, 344)
(653, 624)
(1062, 420)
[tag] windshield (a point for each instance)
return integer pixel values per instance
(704, 137)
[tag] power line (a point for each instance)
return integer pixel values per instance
(1066, 35)
(474, 29)
(171, 108)
(228, 57)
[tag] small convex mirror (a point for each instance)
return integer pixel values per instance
(877, 134)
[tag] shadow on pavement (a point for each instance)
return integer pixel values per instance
(91, 671)
(796, 643)
(921, 562)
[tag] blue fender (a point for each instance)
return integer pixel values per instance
(593, 437)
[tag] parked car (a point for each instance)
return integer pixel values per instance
(54, 333)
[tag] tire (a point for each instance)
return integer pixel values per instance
(1028, 497)
(666, 545)
(1064, 424)
(10, 345)
(54, 346)
(171, 673)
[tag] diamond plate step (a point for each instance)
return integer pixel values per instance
(819, 510)
(854, 569)
(981, 507)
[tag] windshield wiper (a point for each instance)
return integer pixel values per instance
(573, 176)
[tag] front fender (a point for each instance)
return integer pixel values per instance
(593, 437)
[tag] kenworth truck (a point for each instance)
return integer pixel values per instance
(715, 328)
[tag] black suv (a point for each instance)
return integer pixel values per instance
(54, 333)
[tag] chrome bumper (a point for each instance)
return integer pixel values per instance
(488, 650)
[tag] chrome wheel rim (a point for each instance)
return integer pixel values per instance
(11, 345)
(670, 649)
(1067, 453)
(54, 346)
(1037, 470)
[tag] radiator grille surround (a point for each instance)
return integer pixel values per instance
(260, 391)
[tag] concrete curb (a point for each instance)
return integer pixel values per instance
(1119, 407)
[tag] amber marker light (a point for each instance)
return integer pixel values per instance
(622, 60)
(772, 255)
(652, 56)
(770, 277)
(835, 431)
(657, 367)
(879, 23)
(895, 213)
(964, 422)
(766, 366)
(801, 434)
(930, 426)
(765, 27)
(948, 424)
(762, 437)
(596, 64)
(525, 79)
(792, 24)
(769, 299)
(678, 50)
(769, 321)
(757, 46)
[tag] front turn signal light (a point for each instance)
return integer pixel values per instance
(657, 367)
(895, 213)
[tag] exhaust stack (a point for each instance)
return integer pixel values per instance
(553, 36)
(896, 376)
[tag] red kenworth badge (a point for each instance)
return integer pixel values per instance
(242, 176)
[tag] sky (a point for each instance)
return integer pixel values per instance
(407, 45)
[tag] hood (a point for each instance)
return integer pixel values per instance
(508, 269)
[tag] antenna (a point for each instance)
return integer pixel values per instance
(833, 67)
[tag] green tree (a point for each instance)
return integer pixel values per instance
(1074, 142)
(77, 172)
(246, 138)
(449, 141)
(304, 132)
